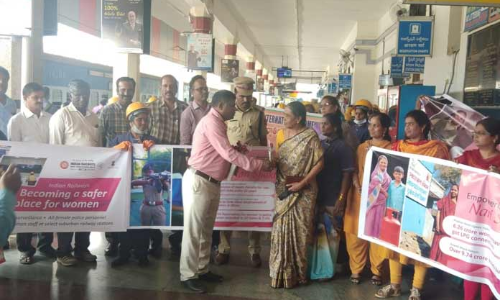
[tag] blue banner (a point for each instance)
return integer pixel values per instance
(397, 66)
(415, 37)
(345, 81)
(414, 64)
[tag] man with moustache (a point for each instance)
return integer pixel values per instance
(164, 125)
(31, 125)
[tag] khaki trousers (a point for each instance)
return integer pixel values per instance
(253, 242)
(201, 202)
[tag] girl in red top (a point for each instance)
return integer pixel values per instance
(486, 157)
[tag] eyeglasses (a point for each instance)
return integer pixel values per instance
(201, 89)
(480, 133)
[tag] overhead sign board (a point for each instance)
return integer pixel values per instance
(455, 2)
(332, 88)
(415, 36)
(414, 65)
(345, 81)
(476, 17)
(397, 66)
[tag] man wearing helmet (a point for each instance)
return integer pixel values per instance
(360, 123)
(112, 122)
(137, 114)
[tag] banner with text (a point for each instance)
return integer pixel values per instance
(246, 199)
(434, 211)
(275, 120)
(67, 189)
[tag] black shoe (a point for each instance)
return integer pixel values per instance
(194, 285)
(120, 261)
(112, 250)
(211, 277)
(143, 262)
(156, 253)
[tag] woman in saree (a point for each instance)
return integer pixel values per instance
(377, 197)
(486, 157)
(417, 128)
(359, 250)
(300, 159)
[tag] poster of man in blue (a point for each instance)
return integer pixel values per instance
(415, 36)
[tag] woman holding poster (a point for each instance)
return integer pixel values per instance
(300, 159)
(486, 157)
(356, 247)
(417, 128)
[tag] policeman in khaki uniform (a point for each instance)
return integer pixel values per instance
(247, 127)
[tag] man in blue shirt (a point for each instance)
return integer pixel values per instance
(396, 190)
(10, 182)
(138, 116)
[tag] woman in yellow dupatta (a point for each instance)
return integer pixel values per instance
(300, 159)
(357, 248)
(417, 128)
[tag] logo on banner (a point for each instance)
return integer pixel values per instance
(416, 29)
(64, 165)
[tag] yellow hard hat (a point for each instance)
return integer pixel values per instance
(112, 100)
(365, 103)
(348, 113)
(135, 108)
(152, 99)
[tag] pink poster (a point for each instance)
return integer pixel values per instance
(447, 217)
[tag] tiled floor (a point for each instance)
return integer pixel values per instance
(47, 280)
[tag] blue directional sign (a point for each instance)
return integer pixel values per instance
(397, 66)
(414, 64)
(345, 81)
(415, 36)
(332, 88)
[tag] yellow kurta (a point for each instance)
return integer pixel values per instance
(356, 247)
(432, 148)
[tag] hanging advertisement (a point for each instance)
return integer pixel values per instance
(66, 189)
(494, 14)
(122, 23)
(415, 36)
(230, 69)
(200, 53)
(456, 226)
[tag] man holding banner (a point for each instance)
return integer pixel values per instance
(31, 125)
(210, 160)
(75, 125)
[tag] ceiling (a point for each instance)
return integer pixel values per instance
(305, 34)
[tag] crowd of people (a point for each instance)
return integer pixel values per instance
(319, 177)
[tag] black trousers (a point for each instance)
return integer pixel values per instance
(138, 239)
(64, 239)
(112, 238)
(156, 239)
(44, 242)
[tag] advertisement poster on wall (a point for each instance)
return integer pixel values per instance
(67, 189)
(476, 17)
(122, 23)
(200, 53)
(230, 69)
(452, 224)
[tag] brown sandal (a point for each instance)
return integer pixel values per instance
(388, 291)
(376, 280)
(355, 278)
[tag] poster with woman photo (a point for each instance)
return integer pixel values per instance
(122, 24)
(435, 211)
(150, 187)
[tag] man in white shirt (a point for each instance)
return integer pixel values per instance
(75, 125)
(31, 125)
